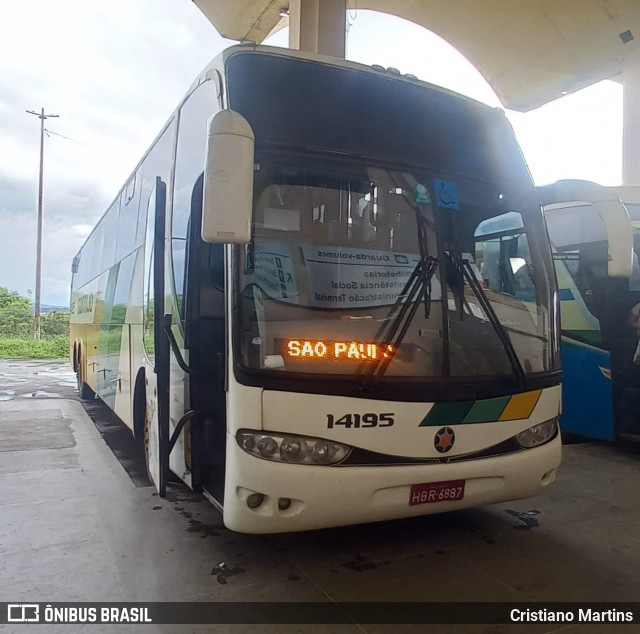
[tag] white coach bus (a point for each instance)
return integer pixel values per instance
(326, 296)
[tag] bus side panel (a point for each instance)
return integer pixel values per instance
(587, 403)
(90, 328)
(96, 352)
(123, 387)
(81, 323)
(128, 312)
(178, 405)
(152, 444)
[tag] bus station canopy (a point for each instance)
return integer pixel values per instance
(530, 51)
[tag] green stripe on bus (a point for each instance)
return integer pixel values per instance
(447, 413)
(487, 410)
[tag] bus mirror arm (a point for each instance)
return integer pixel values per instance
(611, 209)
(166, 326)
(227, 203)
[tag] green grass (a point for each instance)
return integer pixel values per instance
(55, 348)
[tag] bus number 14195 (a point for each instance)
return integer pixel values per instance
(361, 420)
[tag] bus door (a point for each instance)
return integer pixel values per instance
(195, 299)
(205, 340)
(155, 342)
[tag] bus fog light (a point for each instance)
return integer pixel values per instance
(284, 504)
(292, 449)
(538, 434)
(255, 500)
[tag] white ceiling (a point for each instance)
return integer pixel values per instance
(530, 51)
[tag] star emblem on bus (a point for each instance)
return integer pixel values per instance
(444, 439)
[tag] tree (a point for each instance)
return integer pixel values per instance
(54, 324)
(16, 315)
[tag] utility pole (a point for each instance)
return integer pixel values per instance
(42, 116)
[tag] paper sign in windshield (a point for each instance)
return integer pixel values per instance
(343, 277)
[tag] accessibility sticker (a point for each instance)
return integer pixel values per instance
(446, 194)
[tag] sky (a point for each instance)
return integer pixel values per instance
(114, 72)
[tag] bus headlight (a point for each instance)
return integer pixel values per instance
(292, 449)
(538, 434)
(266, 446)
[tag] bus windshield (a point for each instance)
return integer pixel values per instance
(377, 273)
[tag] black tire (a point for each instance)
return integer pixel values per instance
(140, 426)
(139, 409)
(84, 391)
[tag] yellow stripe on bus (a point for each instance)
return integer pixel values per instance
(520, 405)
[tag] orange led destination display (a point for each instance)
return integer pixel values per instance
(336, 350)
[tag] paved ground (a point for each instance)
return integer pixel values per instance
(76, 526)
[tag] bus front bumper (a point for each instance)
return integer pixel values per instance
(302, 497)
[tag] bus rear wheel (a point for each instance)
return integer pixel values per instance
(84, 391)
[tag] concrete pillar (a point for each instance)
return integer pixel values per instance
(631, 120)
(318, 26)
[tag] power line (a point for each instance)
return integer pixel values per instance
(48, 132)
(93, 147)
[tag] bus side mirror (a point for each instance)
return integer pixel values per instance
(611, 209)
(228, 179)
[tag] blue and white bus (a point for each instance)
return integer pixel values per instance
(305, 301)
(600, 354)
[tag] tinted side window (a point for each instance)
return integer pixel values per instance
(190, 155)
(579, 240)
(129, 202)
(95, 248)
(156, 164)
(110, 226)
(148, 294)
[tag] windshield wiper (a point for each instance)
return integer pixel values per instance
(397, 322)
(417, 288)
(464, 266)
